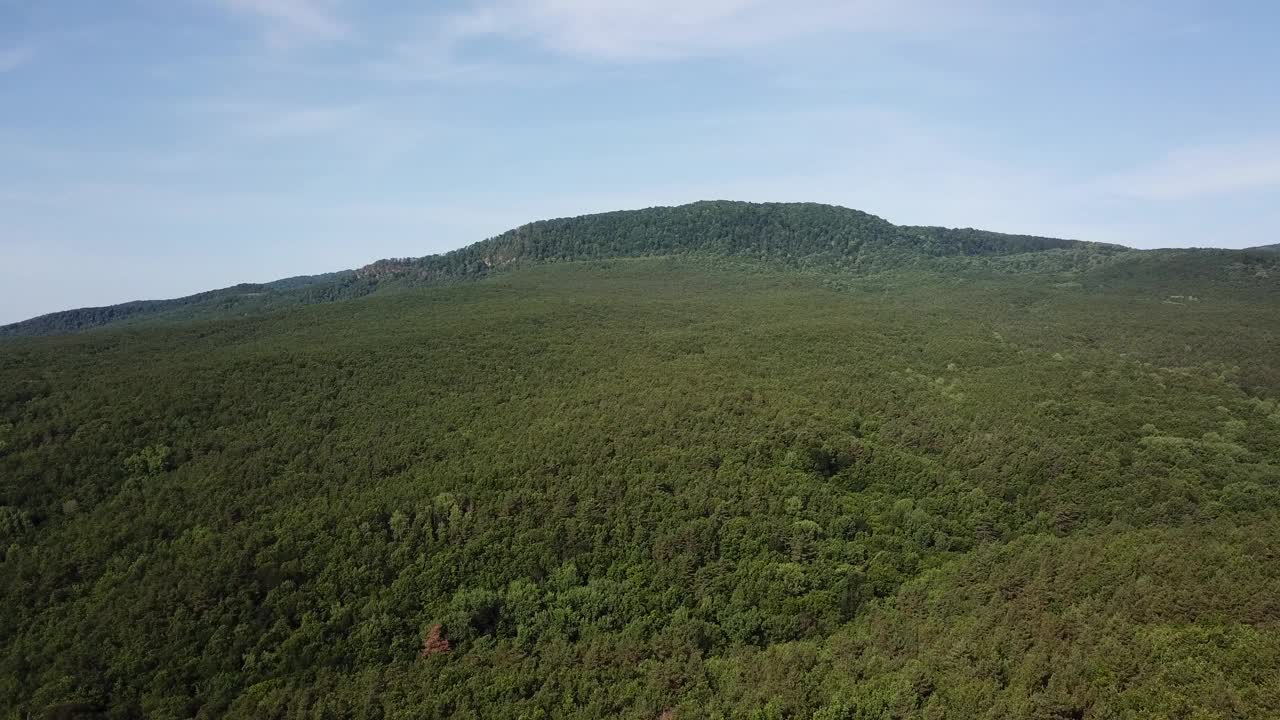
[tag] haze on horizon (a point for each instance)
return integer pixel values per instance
(155, 149)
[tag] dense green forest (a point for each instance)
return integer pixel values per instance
(863, 472)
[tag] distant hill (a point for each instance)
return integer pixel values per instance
(796, 234)
(226, 301)
(806, 236)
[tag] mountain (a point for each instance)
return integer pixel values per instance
(799, 236)
(796, 235)
(725, 460)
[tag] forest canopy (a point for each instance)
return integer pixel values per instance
(1009, 478)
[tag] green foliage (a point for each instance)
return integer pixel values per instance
(794, 234)
(626, 487)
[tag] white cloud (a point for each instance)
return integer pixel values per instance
(1201, 172)
(629, 30)
(289, 22)
(15, 57)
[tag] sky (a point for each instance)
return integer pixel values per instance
(156, 148)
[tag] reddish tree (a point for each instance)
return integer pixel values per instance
(433, 644)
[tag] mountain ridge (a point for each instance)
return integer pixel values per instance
(721, 227)
(809, 236)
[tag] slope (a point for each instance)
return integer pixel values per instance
(236, 300)
(626, 487)
(792, 234)
(831, 239)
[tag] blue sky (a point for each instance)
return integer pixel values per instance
(154, 148)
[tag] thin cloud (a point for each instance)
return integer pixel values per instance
(279, 121)
(363, 134)
(675, 29)
(15, 57)
(1201, 172)
(290, 22)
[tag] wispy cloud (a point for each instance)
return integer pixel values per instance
(674, 29)
(355, 133)
(279, 121)
(15, 57)
(1200, 172)
(289, 22)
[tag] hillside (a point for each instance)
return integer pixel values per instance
(794, 235)
(806, 237)
(687, 486)
(830, 239)
(226, 302)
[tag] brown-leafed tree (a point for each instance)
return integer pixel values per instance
(434, 643)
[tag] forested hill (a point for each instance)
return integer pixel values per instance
(222, 302)
(659, 489)
(799, 234)
(803, 234)
(714, 461)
